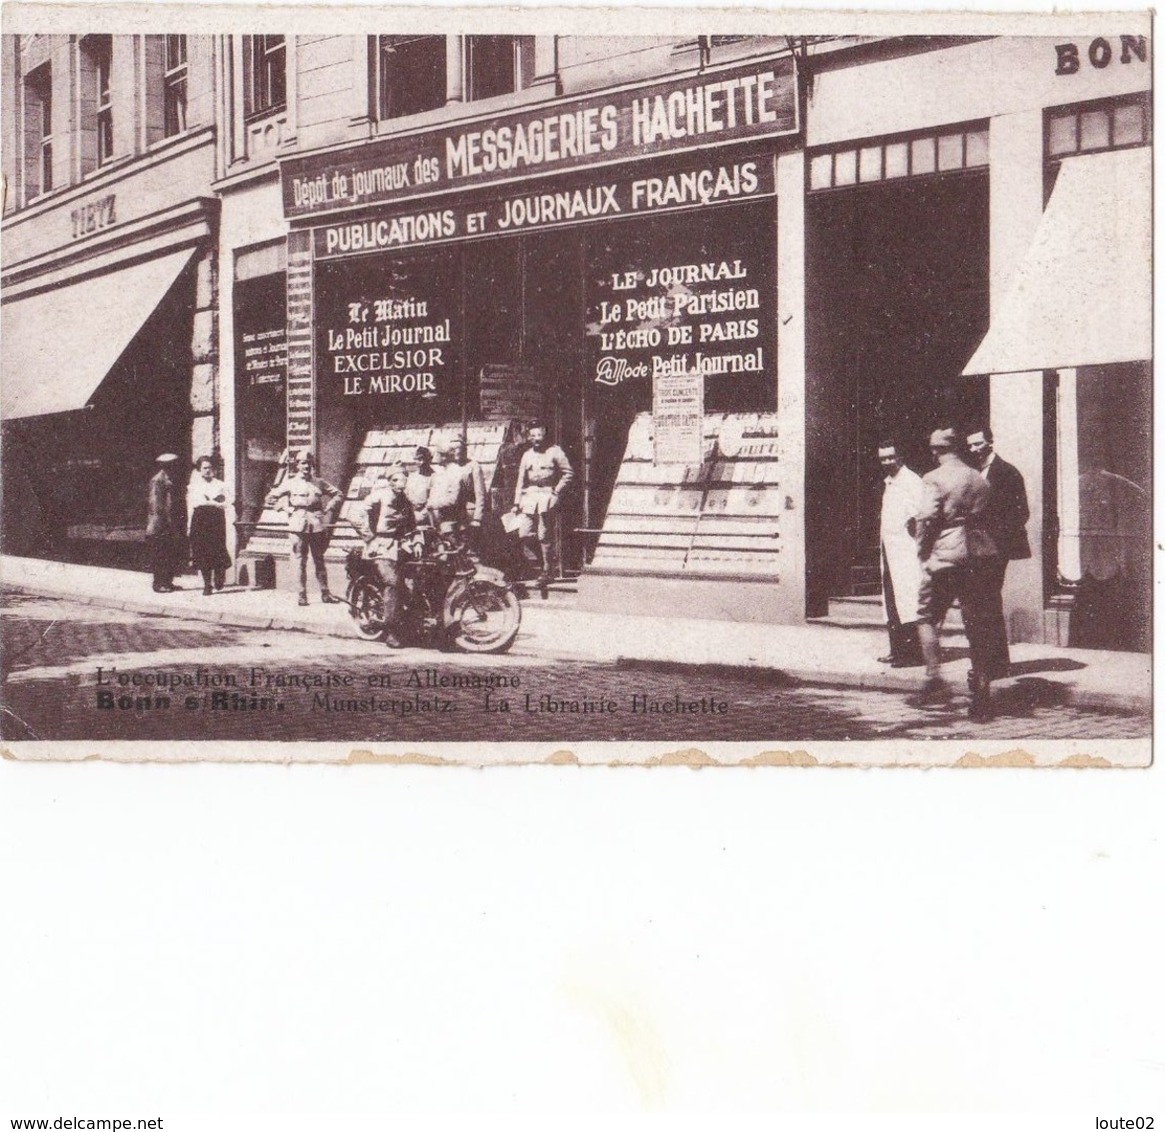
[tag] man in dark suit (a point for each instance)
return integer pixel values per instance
(165, 530)
(1005, 520)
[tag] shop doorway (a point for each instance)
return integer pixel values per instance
(897, 300)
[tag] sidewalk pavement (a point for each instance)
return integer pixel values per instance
(554, 630)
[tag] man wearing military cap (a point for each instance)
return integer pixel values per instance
(385, 520)
(957, 555)
(311, 503)
(165, 530)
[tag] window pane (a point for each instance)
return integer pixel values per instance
(175, 51)
(412, 74)
(950, 152)
(896, 159)
(1062, 135)
(1128, 125)
(845, 167)
(1094, 129)
(922, 155)
(821, 171)
(871, 163)
(175, 109)
(491, 65)
(977, 151)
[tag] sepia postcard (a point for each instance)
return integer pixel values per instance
(380, 387)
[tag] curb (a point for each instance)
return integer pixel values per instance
(1123, 703)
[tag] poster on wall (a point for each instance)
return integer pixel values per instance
(260, 310)
(386, 337)
(677, 418)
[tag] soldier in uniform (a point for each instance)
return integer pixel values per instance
(312, 504)
(457, 490)
(958, 561)
(420, 480)
(544, 473)
(164, 529)
(384, 520)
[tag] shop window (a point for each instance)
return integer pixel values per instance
(1103, 505)
(38, 127)
(410, 74)
(264, 74)
(949, 152)
(1094, 127)
(497, 64)
(174, 86)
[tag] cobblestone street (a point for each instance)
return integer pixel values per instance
(64, 659)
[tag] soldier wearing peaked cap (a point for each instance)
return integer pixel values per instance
(165, 531)
(384, 520)
(957, 556)
(311, 504)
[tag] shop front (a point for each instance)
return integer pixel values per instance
(981, 259)
(608, 267)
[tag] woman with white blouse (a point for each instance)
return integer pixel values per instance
(207, 501)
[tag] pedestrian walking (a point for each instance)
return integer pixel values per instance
(312, 504)
(544, 474)
(956, 553)
(207, 503)
(901, 569)
(384, 521)
(1006, 521)
(164, 529)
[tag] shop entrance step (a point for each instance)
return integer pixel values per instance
(866, 612)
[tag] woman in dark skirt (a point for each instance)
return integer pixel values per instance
(207, 502)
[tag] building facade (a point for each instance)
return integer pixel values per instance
(721, 268)
(108, 278)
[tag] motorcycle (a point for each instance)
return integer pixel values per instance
(447, 597)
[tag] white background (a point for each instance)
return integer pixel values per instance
(309, 939)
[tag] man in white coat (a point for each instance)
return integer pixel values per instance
(901, 570)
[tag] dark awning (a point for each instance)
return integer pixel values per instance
(59, 345)
(1083, 295)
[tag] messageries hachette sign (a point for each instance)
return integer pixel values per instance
(712, 108)
(698, 184)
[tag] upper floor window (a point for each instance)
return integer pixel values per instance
(1091, 127)
(38, 131)
(99, 49)
(497, 64)
(174, 85)
(410, 74)
(265, 73)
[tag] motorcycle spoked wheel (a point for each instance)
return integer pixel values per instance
(367, 608)
(484, 618)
